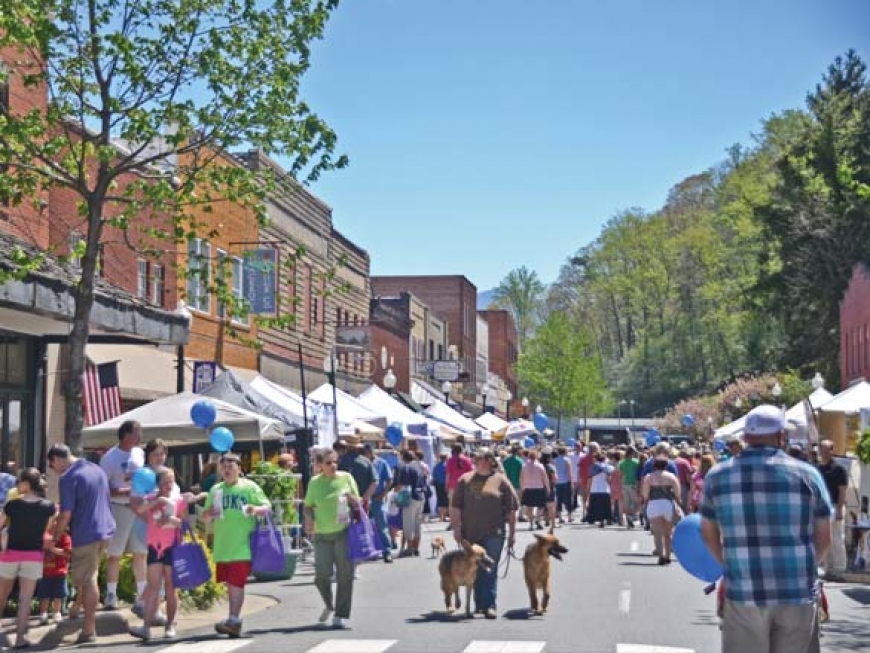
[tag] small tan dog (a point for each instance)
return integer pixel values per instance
(536, 568)
(458, 568)
(439, 546)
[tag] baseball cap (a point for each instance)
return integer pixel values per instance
(764, 420)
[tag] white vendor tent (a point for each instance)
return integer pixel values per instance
(350, 409)
(168, 418)
(520, 429)
(851, 400)
(797, 414)
(491, 422)
(440, 411)
(730, 430)
(283, 397)
(382, 403)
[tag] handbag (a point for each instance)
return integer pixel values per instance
(403, 497)
(189, 564)
(267, 547)
(361, 542)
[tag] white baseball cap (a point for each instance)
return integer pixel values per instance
(764, 420)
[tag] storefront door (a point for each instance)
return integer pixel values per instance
(15, 446)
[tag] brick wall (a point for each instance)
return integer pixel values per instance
(502, 346)
(855, 327)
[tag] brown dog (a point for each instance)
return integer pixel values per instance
(439, 546)
(458, 568)
(536, 567)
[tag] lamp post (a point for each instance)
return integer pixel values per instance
(619, 413)
(389, 381)
(508, 396)
(446, 387)
(631, 405)
(776, 391)
(330, 365)
(525, 403)
(818, 381)
(484, 392)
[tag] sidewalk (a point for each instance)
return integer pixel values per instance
(112, 626)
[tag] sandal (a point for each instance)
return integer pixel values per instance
(86, 638)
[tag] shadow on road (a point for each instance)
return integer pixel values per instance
(652, 563)
(858, 594)
(434, 617)
(310, 628)
(845, 635)
(706, 618)
(634, 555)
(519, 614)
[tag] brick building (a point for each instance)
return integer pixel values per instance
(502, 346)
(855, 327)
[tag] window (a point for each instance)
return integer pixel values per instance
(4, 88)
(432, 350)
(440, 352)
(142, 279)
(74, 260)
(220, 277)
(157, 284)
(238, 288)
(198, 264)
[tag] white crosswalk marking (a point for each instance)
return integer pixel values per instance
(643, 648)
(634, 547)
(210, 646)
(353, 646)
(483, 646)
(625, 598)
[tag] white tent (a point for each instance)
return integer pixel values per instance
(796, 415)
(283, 397)
(382, 403)
(443, 413)
(168, 418)
(491, 422)
(350, 409)
(851, 400)
(730, 430)
(519, 429)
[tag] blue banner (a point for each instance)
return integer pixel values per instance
(261, 274)
(204, 373)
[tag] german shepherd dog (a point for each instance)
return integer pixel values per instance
(439, 547)
(458, 568)
(536, 568)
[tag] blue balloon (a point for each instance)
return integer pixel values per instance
(541, 421)
(394, 434)
(221, 439)
(203, 413)
(571, 442)
(652, 438)
(144, 480)
(528, 443)
(719, 445)
(688, 421)
(692, 553)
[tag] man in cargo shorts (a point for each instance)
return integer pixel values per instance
(84, 507)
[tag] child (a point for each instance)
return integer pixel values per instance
(164, 514)
(51, 589)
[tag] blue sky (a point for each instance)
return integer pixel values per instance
(488, 134)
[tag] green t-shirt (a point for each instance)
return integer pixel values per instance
(629, 467)
(322, 497)
(232, 532)
(513, 467)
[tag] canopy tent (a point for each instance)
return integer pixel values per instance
(519, 429)
(795, 416)
(730, 430)
(350, 409)
(851, 400)
(440, 411)
(491, 422)
(441, 430)
(425, 394)
(283, 397)
(382, 403)
(231, 388)
(168, 418)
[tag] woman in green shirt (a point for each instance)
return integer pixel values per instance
(330, 498)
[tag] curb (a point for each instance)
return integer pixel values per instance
(112, 625)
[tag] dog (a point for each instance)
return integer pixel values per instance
(458, 568)
(536, 567)
(439, 546)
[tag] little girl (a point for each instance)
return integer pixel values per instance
(164, 514)
(51, 589)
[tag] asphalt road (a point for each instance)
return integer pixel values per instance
(609, 596)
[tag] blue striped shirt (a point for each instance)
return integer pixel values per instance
(766, 504)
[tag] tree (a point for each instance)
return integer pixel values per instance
(162, 90)
(560, 368)
(520, 293)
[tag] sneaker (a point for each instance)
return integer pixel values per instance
(43, 619)
(86, 638)
(170, 632)
(416, 553)
(490, 613)
(324, 616)
(142, 632)
(58, 617)
(138, 609)
(227, 627)
(159, 619)
(111, 602)
(338, 622)
(388, 557)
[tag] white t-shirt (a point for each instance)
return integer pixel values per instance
(573, 460)
(601, 482)
(119, 466)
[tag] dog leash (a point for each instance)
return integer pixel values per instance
(507, 560)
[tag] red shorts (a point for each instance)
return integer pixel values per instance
(233, 573)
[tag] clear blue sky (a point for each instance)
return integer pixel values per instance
(488, 134)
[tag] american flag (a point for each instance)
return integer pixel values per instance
(101, 393)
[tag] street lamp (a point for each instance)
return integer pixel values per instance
(484, 391)
(525, 403)
(389, 381)
(330, 365)
(446, 387)
(619, 406)
(631, 405)
(776, 390)
(508, 396)
(538, 409)
(818, 381)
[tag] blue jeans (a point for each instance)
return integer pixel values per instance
(485, 584)
(378, 513)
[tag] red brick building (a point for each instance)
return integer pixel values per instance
(502, 346)
(454, 298)
(855, 327)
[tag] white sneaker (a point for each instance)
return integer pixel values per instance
(142, 632)
(338, 622)
(43, 619)
(324, 616)
(111, 602)
(58, 617)
(170, 631)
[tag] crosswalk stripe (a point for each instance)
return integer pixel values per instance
(208, 646)
(353, 646)
(643, 648)
(484, 646)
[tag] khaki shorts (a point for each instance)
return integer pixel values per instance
(84, 563)
(127, 538)
(13, 570)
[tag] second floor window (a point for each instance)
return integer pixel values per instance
(238, 289)
(198, 259)
(142, 279)
(158, 282)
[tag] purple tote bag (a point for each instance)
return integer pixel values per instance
(189, 565)
(267, 548)
(361, 541)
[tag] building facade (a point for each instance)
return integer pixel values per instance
(855, 327)
(503, 348)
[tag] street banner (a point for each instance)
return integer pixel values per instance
(261, 275)
(204, 373)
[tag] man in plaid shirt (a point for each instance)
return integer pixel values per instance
(767, 519)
